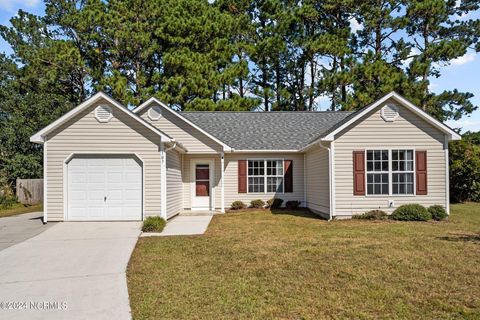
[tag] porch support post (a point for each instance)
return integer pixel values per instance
(45, 183)
(163, 181)
(222, 169)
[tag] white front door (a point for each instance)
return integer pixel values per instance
(202, 185)
(104, 188)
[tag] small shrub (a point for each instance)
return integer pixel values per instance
(438, 212)
(258, 203)
(292, 204)
(411, 212)
(237, 205)
(274, 203)
(372, 215)
(154, 224)
(7, 201)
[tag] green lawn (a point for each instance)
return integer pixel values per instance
(19, 209)
(259, 265)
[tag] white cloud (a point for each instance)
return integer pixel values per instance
(322, 103)
(355, 26)
(467, 124)
(466, 58)
(14, 5)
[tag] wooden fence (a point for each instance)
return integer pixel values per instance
(30, 191)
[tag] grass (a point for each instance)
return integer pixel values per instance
(19, 208)
(259, 265)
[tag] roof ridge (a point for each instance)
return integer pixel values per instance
(269, 112)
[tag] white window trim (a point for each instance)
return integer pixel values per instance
(265, 175)
(390, 182)
(409, 171)
(388, 172)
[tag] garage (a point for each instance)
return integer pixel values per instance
(104, 188)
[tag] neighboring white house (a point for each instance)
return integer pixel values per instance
(105, 162)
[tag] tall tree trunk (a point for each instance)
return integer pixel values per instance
(241, 90)
(426, 71)
(312, 84)
(278, 85)
(343, 87)
(265, 85)
(301, 104)
(333, 88)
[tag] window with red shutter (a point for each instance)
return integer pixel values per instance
(359, 173)
(288, 177)
(242, 176)
(421, 172)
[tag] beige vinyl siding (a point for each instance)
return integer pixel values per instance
(174, 183)
(317, 180)
(408, 131)
(231, 178)
(191, 138)
(84, 134)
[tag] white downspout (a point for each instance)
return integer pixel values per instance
(163, 182)
(447, 177)
(222, 178)
(304, 180)
(45, 184)
(330, 179)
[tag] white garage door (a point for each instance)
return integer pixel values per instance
(104, 188)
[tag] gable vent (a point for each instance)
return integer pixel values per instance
(155, 112)
(389, 112)
(103, 113)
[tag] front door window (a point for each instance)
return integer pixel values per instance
(202, 180)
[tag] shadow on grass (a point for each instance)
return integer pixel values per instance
(301, 212)
(473, 238)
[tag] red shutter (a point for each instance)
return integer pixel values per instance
(288, 177)
(421, 172)
(359, 173)
(242, 176)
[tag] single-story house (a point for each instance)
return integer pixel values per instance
(103, 161)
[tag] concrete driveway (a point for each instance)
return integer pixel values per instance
(73, 270)
(16, 229)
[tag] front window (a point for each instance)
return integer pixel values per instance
(265, 176)
(274, 176)
(402, 171)
(383, 165)
(256, 176)
(377, 171)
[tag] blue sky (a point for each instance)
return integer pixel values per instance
(462, 74)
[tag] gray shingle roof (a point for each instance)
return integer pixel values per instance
(266, 130)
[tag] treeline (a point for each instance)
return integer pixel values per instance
(242, 54)
(226, 55)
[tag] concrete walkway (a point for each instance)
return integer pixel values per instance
(73, 270)
(16, 229)
(184, 226)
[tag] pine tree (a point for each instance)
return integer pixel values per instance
(438, 37)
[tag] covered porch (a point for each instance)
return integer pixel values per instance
(203, 179)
